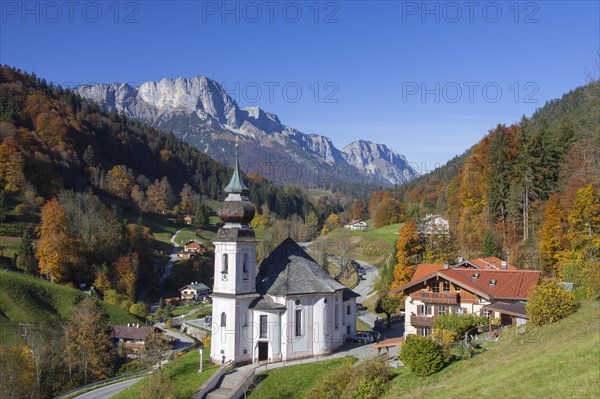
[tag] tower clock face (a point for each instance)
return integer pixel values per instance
(224, 276)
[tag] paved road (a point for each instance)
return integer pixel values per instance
(366, 289)
(172, 258)
(181, 340)
(108, 391)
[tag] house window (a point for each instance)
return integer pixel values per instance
(225, 264)
(245, 266)
(298, 322)
(456, 288)
(223, 320)
(435, 287)
(424, 310)
(460, 310)
(348, 330)
(442, 310)
(488, 313)
(446, 286)
(423, 331)
(263, 326)
(348, 309)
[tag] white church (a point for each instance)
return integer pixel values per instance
(288, 307)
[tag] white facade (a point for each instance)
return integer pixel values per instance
(297, 326)
(356, 225)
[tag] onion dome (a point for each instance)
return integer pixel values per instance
(236, 210)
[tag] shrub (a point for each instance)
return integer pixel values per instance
(169, 323)
(450, 328)
(422, 355)
(368, 380)
(22, 209)
(548, 303)
(139, 309)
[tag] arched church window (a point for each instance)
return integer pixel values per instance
(223, 320)
(225, 264)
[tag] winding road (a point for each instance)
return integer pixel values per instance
(365, 289)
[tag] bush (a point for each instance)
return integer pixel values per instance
(548, 303)
(169, 323)
(422, 355)
(450, 328)
(368, 380)
(139, 309)
(22, 209)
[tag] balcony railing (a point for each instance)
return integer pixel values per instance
(422, 321)
(444, 298)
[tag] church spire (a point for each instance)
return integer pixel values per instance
(236, 184)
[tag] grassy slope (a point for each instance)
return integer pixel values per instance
(183, 373)
(294, 382)
(25, 299)
(371, 246)
(560, 360)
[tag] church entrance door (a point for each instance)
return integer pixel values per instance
(263, 351)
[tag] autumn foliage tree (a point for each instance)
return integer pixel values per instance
(409, 252)
(126, 273)
(160, 195)
(551, 236)
(358, 210)
(119, 182)
(87, 352)
(52, 250)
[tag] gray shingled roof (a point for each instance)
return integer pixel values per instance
(289, 270)
(266, 303)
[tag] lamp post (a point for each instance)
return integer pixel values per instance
(201, 359)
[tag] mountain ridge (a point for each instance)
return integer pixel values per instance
(199, 111)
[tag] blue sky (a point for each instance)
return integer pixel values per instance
(428, 79)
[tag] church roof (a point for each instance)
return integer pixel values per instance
(266, 303)
(289, 270)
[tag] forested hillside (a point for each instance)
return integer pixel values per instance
(52, 139)
(528, 192)
(74, 181)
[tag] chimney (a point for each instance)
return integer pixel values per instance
(504, 265)
(445, 265)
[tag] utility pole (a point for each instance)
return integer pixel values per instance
(201, 359)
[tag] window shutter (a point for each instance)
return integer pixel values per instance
(435, 310)
(452, 310)
(419, 310)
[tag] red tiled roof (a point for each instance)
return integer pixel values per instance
(509, 284)
(490, 262)
(425, 269)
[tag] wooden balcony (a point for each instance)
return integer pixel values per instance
(442, 298)
(421, 321)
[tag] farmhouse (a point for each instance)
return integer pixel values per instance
(356, 225)
(194, 291)
(188, 219)
(191, 248)
(456, 290)
(131, 337)
(288, 307)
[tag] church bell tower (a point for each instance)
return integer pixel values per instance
(234, 275)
